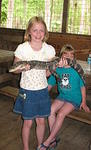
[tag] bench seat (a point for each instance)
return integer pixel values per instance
(80, 115)
(9, 91)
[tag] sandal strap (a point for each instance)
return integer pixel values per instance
(42, 145)
(56, 141)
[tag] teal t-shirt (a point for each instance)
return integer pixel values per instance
(70, 85)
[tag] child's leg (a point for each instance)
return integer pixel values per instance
(40, 129)
(62, 113)
(25, 133)
(56, 105)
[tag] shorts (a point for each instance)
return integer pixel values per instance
(33, 104)
(77, 106)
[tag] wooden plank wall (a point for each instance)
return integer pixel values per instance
(10, 38)
(79, 42)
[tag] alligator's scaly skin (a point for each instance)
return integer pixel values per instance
(51, 65)
(35, 64)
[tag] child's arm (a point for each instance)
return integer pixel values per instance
(49, 87)
(48, 73)
(51, 82)
(83, 104)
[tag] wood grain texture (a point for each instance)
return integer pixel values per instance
(74, 135)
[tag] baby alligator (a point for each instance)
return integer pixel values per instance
(35, 64)
(51, 65)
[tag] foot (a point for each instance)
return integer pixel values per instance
(54, 143)
(43, 147)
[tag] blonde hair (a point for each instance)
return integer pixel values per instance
(67, 48)
(35, 19)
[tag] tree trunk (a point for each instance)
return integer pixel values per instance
(47, 13)
(25, 8)
(10, 13)
(65, 16)
(82, 17)
(51, 13)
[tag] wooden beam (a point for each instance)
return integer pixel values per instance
(65, 16)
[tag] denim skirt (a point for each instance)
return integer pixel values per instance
(33, 104)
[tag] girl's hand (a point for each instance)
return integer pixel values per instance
(62, 62)
(48, 73)
(27, 67)
(85, 107)
(22, 68)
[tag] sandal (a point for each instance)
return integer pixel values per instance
(54, 143)
(43, 146)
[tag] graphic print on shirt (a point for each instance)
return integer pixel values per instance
(65, 81)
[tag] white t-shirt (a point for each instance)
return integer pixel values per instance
(34, 79)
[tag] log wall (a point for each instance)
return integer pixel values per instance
(79, 42)
(11, 38)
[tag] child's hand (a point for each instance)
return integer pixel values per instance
(48, 73)
(85, 107)
(27, 67)
(24, 68)
(62, 62)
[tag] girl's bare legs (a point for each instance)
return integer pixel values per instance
(62, 113)
(56, 105)
(40, 129)
(25, 133)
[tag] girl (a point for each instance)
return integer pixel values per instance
(33, 101)
(72, 95)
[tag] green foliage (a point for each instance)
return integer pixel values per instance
(76, 21)
(57, 12)
(25, 9)
(4, 11)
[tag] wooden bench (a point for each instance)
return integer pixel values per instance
(9, 91)
(81, 115)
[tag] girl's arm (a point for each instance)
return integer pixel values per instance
(83, 104)
(49, 87)
(51, 82)
(16, 60)
(48, 73)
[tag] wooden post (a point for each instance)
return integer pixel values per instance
(0, 10)
(65, 15)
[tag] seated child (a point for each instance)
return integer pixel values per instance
(72, 95)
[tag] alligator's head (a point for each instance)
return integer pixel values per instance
(18, 65)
